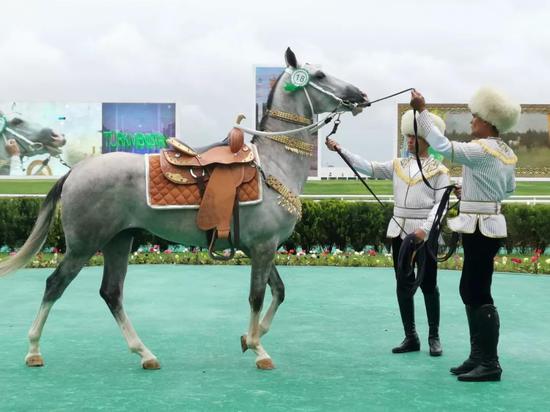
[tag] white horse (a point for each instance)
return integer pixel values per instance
(97, 190)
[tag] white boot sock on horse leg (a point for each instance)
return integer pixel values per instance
(34, 357)
(148, 359)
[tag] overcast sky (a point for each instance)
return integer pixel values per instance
(201, 54)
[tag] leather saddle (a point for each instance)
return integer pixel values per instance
(218, 170)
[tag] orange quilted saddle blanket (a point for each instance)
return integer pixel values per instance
(163, 193)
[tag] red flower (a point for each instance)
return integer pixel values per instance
(291, 251)
(372, 252)
(167, 251)
(516, 260)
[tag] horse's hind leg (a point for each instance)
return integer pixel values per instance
(114, 272)
(277, 297)
(56, 284)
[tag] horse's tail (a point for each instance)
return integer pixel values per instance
(39, 233)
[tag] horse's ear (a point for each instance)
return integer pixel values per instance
(290, 58)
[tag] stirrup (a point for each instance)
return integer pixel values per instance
(217, 255)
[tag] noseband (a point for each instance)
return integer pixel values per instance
(29, 145)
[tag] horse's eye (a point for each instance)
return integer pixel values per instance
(320, 75)
(16, 120)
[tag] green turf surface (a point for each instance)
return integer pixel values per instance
(25, 187)
(384, 187)
(322, 187)
(331, 343)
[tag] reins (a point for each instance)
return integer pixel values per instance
(433, 238)
(363, 181)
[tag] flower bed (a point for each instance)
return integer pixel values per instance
(537, 263)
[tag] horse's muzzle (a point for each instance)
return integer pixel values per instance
(365, 102)
(58, 140)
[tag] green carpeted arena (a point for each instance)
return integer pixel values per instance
(331, 343)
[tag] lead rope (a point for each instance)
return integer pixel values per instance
(335, 128)
(432, 242)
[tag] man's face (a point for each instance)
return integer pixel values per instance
(480, 128)
(422, 144)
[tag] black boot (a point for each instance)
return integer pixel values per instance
(475, 352)
(489, 369)
(432, 310)
(411, 343)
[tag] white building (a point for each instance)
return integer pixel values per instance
(331, 172)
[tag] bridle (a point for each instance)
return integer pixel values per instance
(314, 127)
(30, 148)
(29, 145)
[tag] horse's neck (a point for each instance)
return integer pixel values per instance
(291, 168)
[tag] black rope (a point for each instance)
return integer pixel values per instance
(391, 95)
(432, 242)
(335, 128)
(336, 123)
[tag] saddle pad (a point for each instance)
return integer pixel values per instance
(161, 193)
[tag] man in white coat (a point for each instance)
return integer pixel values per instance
(415, 206)
(488, 176)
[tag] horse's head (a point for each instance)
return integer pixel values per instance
(34, 139)
(324, 92)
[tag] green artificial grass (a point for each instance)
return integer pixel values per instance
(331, 342)
(313, 187)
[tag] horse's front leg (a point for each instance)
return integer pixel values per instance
(261, 268)
(277, 297)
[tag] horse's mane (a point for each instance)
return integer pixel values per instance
(269, 102)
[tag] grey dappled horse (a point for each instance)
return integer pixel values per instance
(96, 190)
(31, 138)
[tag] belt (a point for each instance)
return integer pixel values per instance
(409, 213)
(480, 208)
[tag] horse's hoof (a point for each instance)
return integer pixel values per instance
(34, 361)
(265, 364)
(151, 364)
(244, 346)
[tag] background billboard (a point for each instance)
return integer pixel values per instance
(530, 138)
(137, 127)
(49, 136)
(52, 136)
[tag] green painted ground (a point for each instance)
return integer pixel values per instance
(323, 187)
(331, 343)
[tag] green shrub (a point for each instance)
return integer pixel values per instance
(325, 223)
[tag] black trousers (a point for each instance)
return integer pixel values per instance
(477, 271)
(430, 277)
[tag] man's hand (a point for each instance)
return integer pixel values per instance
(458, 191)
(12, 148)
(332, 145)
(417, 101)
(420, 235)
